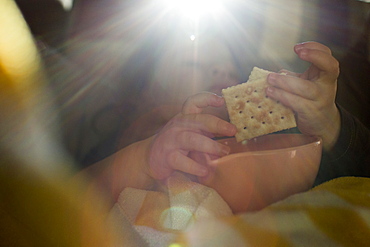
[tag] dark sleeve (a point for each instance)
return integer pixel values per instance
(351, 154)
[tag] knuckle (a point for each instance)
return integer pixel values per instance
(314, 91)
(172, 158)
(219, 124)
(334, 68)
(187, 137)
(181, 137)
(303, 105)
(280, 80)
(188, 105)
(190, 99)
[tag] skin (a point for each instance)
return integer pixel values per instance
(311, 95)
(143, 163)
(189, 131)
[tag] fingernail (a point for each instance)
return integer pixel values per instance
(229, 129)
(270, 90)
(219, 98)
(225, 150)
(272, 78)
(299, 45)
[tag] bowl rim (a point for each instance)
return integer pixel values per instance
(317, 142)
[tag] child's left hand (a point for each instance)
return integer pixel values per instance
(311, 95)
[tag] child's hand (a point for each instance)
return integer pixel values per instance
(189, 131)
(311, 95)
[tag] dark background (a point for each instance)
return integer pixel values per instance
(98, 55)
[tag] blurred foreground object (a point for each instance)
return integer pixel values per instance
(40, 206)
(28, 117)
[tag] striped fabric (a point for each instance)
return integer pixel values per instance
(336, 213)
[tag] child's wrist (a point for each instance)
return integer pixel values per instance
(332, 131)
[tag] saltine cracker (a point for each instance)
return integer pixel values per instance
(252, 111)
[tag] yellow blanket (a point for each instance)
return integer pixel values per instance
(336, 213)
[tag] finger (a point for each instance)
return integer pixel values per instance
(313, 46)
(287, 72)
(197, 102)
(292, 101)
(181, 162)
(207, 123)
(192, 141)
(322, 60)
(294, 85)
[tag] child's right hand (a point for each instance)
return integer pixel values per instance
(189, 131)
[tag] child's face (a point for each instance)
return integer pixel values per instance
(189, 67)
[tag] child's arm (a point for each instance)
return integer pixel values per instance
(142, 163)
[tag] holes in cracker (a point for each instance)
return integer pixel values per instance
(252, 117)
(240, 112)
(263, 122)
(245, 128)
(282, 117)
(259, 106)
(270, 112)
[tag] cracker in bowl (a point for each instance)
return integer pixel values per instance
(252, 111)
